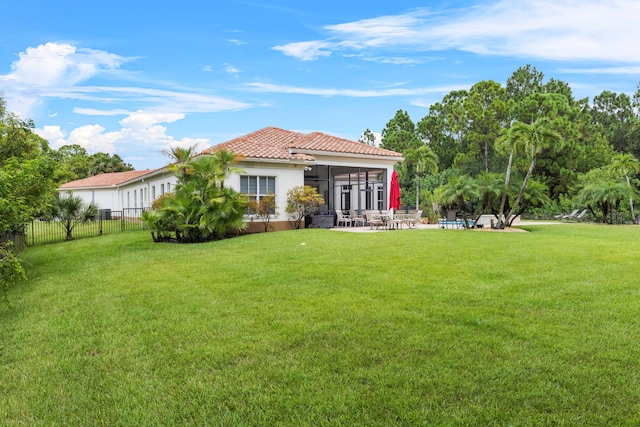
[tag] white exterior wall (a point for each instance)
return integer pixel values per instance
(144, 186)
(102, 197)
(287, 176)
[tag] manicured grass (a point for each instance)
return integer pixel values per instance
(318, 327)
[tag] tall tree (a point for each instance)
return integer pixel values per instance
(486, 112)
(443, 128)
(106, 163)
(533, 138)
(367, 137)
(26, 172)
(614, 112)
(400, 133)
(423, 159)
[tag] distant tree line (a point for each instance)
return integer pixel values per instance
(528, 146)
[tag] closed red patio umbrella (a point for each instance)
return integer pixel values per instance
(394, 192)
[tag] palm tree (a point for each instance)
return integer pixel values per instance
(460, 190)
(533, 138)
(180, 158)
(71, 210)
(225, 164)
(491, 188)
(506, 143)
(626, 164)
(604, 197)
(424, 159)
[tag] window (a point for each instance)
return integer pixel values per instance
(380, 197)
(135, 196)
(128, 200)
(256, 187)
(153, 192)
(168, 187)
(161, 189)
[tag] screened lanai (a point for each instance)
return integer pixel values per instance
(348, 188)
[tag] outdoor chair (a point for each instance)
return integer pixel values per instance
(376, 221)
(356, 219)
(413, 219)
(581, 215)
(342, 219)
(451, 220)
(571, 215)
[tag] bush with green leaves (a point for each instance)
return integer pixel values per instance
(302, 201)
(263, 210)
(11, 271)
(201, 209)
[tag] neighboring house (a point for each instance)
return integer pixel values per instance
(348, 174)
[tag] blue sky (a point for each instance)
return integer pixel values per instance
(135, 77)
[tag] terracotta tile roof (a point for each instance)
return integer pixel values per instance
(276, 143)
(105, 179)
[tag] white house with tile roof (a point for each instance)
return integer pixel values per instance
(348, 174)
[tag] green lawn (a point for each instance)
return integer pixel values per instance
(318, 327)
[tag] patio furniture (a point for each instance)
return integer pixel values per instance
(450, 220)
(377, 220)
(356, 219)
(581, 214)
(571, 215)
(412, 219)
(342, 219)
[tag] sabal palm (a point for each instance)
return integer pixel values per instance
(626, 164)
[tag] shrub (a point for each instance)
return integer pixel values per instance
(302, 201)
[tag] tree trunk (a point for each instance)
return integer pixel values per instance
(417, 192)
(633, 216)
(521, 192)
(503, 201)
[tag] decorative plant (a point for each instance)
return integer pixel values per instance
(302, 201)
(263, 210)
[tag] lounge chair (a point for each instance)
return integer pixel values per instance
(581, 215)
(571, 215)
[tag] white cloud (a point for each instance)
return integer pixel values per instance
(231, 69)
(95, 112)
(140, 129)
(141, 120)
(236, 42)
(594, 30)
(355, 93)
(56, 71)
(306, 51)
(52, 64)
(207, 68)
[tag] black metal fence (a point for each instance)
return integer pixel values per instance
(39, 232)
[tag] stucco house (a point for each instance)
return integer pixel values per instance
(348, 174)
